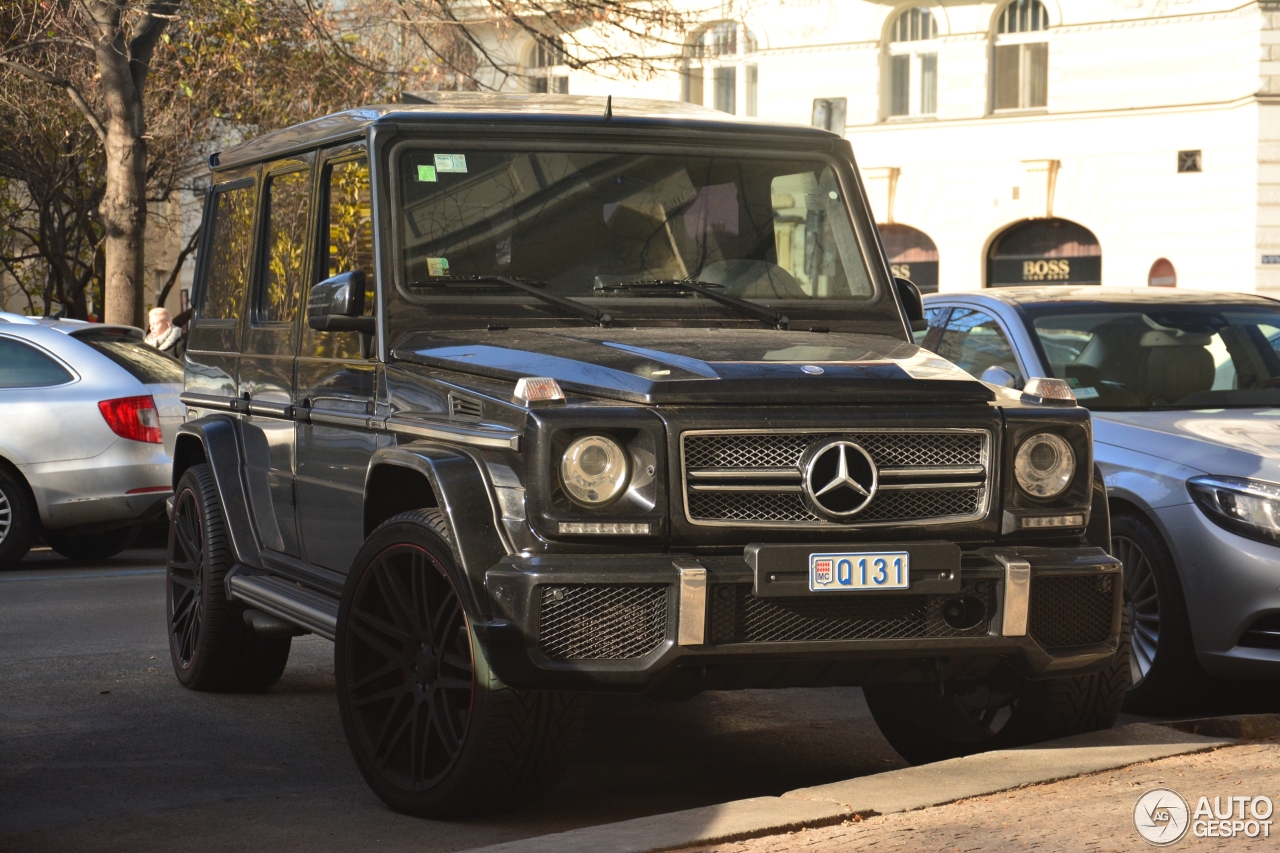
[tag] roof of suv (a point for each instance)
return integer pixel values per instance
(1039, 295)
(504, 108)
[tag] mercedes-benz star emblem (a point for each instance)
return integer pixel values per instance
(812, 370)
(839, 478)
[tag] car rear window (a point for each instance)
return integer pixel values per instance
(126, 348)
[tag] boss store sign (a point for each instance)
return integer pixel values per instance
(1009, 271)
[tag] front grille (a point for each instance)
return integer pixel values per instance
(602, 621)
(1071, 610)
(737, 616)
(755, 479)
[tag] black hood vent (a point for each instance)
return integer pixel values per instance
(464, 408)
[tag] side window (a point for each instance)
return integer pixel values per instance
(230, 244)
(24, 366)
(935, 317)
(285, 247)
(973, 341)
(346, 236)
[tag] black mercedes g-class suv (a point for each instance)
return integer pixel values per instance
(517, 397)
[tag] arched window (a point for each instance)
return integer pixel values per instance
(547, 68)
(912, 64)
(1044, 251)
(912, 255)
(716, 59)
(1020, 57)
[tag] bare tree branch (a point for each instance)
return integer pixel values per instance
(177, 267)
(67, 86)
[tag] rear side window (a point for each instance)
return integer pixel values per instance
(229, 248)
(24, 366)
(285, 247)
(126, 348)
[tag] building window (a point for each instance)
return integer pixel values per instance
(912, 255)
(913, 64)
(547, 69)
(1020, 57)
(717, 59)
(829, 114)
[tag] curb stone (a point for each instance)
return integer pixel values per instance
(899, 790)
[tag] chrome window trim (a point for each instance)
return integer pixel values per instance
(984, 499)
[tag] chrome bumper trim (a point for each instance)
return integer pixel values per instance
(1017, 596)
(693, 602)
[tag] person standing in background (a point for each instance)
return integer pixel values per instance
(163, 335)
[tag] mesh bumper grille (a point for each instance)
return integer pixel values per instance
(1071, 610)
(739, 617)
(602, 621)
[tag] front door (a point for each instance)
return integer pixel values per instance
(267, 363)
(338, 377)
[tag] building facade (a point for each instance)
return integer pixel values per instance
(1114, 142)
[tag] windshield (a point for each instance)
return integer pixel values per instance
(126, 348)
(1138, 357)
(615, 230)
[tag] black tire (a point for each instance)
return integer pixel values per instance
(18, 518)
(1164, 670)
(91, 546)
(432, 729)
(211, 646)
(999, 711)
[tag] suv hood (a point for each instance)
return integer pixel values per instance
(684, 365)
(1227, 442)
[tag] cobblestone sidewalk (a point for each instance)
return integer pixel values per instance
(1087, 813)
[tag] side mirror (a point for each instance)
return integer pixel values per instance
(912, 303)
(999, 376)
(336, 305)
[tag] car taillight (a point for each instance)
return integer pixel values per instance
(134, 418)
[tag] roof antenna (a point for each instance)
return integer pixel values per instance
(608, 107)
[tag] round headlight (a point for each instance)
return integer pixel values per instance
(594, 470)
(1044, 465)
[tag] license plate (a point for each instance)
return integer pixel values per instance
(875, 570)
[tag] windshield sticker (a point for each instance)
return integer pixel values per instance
(451, 162)
(1089, 393)
(427, 174)
(437, 266)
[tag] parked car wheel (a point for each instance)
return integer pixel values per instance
(91, 546)
(17, 519)
(211, 646)
(998, 711)
(432, 729)
(1163, 664)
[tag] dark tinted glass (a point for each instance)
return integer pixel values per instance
(228, 254)
(126, 348)
(1163, 356)
(286, 246)
(24, 366)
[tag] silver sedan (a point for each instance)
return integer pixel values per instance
(1185, 393)
(88, 417)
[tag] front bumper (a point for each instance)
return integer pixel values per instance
(688, 623)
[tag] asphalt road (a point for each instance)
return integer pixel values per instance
(101, 749)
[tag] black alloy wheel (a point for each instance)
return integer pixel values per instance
(432, 728)
(210, 644)
(409, 667)
(185, 587)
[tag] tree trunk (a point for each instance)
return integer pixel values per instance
(124, 218)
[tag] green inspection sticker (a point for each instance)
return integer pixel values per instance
(427, 173)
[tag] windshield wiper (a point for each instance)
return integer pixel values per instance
(693, 285)
(528, 286)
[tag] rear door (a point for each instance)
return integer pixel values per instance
(338, 376)
(266, 379)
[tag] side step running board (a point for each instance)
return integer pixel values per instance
(316, 612)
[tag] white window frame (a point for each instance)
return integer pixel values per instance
(999, 39)
(698, 71)
(545, 78)
(917, 53)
